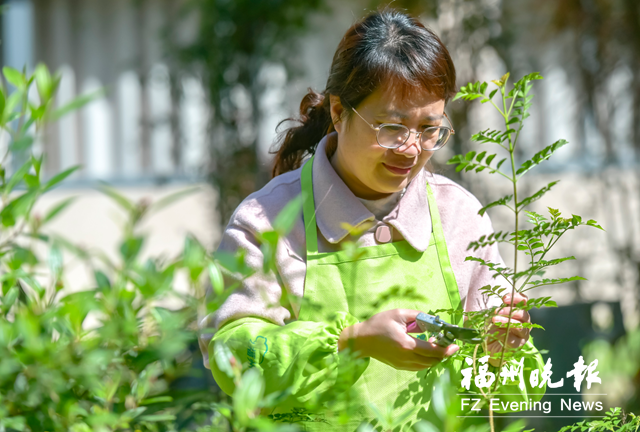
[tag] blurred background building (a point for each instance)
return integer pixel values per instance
(195, 90)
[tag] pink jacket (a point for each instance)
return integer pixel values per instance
(259, 295)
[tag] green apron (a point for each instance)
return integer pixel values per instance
(335, 281)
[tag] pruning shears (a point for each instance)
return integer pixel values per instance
(444, 332)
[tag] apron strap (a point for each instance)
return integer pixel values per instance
(309, 208)
(443, 257)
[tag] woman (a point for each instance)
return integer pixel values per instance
(371, 133)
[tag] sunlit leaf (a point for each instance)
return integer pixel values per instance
(76, 104)
(60, 177)
(57, 209)
(172, 198)
(14, 77)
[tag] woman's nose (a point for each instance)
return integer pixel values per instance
(412, 147)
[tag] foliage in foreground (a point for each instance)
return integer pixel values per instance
(110, 357)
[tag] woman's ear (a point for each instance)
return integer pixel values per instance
(337, 111)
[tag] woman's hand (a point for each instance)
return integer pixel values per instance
(517, 336)
(384, 337)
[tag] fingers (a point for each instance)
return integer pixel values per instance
(407, 315)
(517, 314)
(518, 331)
(517, 336)
(513, 341)
(517, 298)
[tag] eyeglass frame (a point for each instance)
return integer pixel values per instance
(418, 133)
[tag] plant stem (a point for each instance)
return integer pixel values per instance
(493, 428)
(512, 144)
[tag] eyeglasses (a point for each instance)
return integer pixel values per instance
(392, 136)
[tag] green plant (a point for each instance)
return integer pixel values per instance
(543, 232)
(615, 420)
(101, 359)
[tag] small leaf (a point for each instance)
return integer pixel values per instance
(288, 216)
(172, 198)
(536, 196)
(44, 82)
(158, 417)
(57, 209)
(501, 202)
(217, 281)
(15, 77)
(76, 104)
(21, 144)
(102, 280)
(541, 156)
(2, 102)
(593, 223)
(117, 197)
(60, 177)
(223, 358)
(17, 177)
(247, 395)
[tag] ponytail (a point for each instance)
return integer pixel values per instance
(300, 141)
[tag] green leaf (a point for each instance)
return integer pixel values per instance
(215, 276)
(17, 423)
(247, 395)
(60, 177)
(17, 177)
(31, 181)
(21, 144)
(37, 163)
(14, 100)
(2, 102)
(57, 209)
(556, 281)
(471, 91)
(76, 104)
(55, 260)
(117, 197)
(593, 223)
(541, 156)
(536, 196)
(102, 280)
(22, 205)
(44, 82)
(288, 216)
(172, 198)
(130, 248)
(158, 417)
(223, 358)
(159, 399)
(505, 200)
(194, 257)
(15, 77)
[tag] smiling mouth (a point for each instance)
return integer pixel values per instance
(396, 170)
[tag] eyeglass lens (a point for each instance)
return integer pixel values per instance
(394, 136)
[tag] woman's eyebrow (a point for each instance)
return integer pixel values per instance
(402, 116)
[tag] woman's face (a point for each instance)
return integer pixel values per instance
(373, 172)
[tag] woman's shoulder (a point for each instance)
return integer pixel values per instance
(259, 210)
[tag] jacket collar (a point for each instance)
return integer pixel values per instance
(336, 204)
